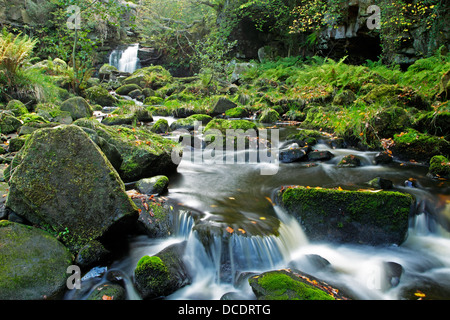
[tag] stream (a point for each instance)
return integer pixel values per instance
(238, 195)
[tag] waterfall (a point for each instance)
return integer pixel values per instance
(125, 60)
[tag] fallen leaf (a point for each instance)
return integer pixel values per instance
(241, 230)
(262, 218)
(105, 297)
(230, 230)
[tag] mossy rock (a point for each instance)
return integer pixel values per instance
(189, 122)
(156, 217)
(77, 107)
(289, 285)
(153, 77)
(115, 119)
(390, 121)
(155, 185)
(349, 216)
(306, 137)
(222, 105)
(17, 107)
(435, 123)
(144, 153)
(127, 88)
(160, 126)
(237, 112)
(153, 100)
(9, 123)
(99, 95)
(223, 125)
(52, 112)
(414, 145)
(64, 183)
(91, 255)
(33, 263)
(269, 115)
(439, 167)
(344, 98)
(162, 274)
(106, 71)
(349, 161)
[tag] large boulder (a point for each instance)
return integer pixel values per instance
(349, 216)
(162, 274)
(62, 182)
(153, 77)
(33, 263)
(144, 154)
(77, 107)
(222, 105)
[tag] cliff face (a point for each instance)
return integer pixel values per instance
(354, 34)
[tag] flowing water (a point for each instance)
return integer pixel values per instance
(125, 59)
(238, 195)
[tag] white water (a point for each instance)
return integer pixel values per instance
(125, 60)
(219, 266)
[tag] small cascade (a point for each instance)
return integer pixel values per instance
(125, 60)
(223, 256)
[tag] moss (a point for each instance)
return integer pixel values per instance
(368, 217)
(222, 125)
(160, 126)
(99, 95)
(17, 107)
(281, 286)
(439, 167)
(269, 115)
(238, 112)
(127, 88)
(418, 146)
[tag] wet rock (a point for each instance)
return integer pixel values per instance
(108, 291)
(33, 263)
(349, 216)
(162, 274)
(380, 183)
(99, 95)
(293, 153)
(91, 255)
(349, 161)
(383, 157)
(320, 155)
(64, 183)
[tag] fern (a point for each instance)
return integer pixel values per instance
(14, 51)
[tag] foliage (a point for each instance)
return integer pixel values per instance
(14, 52)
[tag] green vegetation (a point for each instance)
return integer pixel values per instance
(276, 285)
